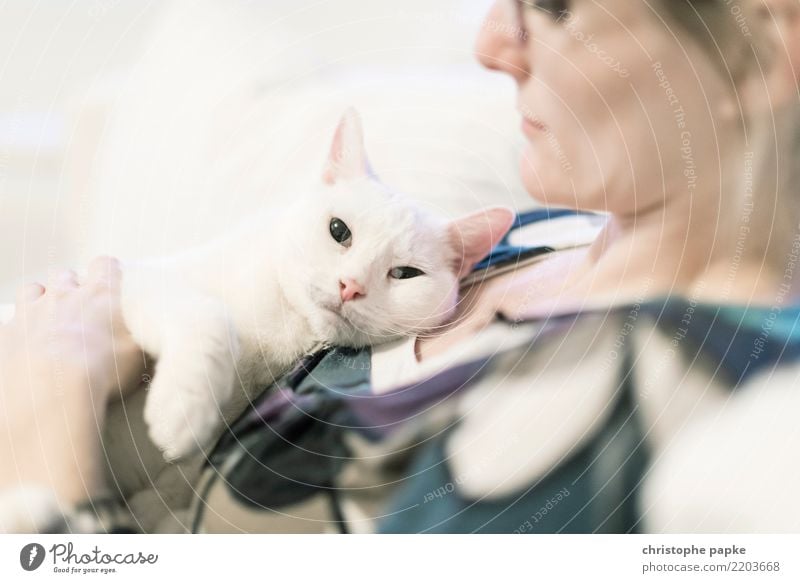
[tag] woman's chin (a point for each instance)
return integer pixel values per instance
(543, 184)
(552, 196)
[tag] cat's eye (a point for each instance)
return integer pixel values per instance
(340, 232)
(405, 272)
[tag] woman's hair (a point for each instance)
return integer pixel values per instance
(724, 29)
(766, 173)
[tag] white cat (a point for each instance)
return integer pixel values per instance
(350, 263)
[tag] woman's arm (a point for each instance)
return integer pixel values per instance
(64, 354)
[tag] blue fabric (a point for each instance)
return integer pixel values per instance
(739, 341)
(505, 252)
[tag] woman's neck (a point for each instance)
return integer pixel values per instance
(674, 250)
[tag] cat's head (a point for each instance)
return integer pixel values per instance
(368, 264)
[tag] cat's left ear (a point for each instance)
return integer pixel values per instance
(475, 235)
(347, 159)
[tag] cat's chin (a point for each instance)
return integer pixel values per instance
(331, 326)
(337, 329)
(333, 314)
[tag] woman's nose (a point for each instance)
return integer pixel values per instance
(350, 289)
(502, 44)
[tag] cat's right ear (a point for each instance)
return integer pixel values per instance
(347, 159)
(475, 235)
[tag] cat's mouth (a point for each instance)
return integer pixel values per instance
(331, 306)
(335, 309)
(345, 316)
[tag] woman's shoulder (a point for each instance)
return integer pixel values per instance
(740, 339)
(735, 341)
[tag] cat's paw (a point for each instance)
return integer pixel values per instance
(181, 420)
(197, 349)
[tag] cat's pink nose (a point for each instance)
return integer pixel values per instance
(350, 289)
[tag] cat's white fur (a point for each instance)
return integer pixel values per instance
(224, 319)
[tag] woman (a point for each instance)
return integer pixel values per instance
(589, 391)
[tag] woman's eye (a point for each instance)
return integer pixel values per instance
(555, 8)
(405, 272)
(340, 232)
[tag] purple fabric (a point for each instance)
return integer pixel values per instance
(383, 412)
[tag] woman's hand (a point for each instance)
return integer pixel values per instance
(63, 355)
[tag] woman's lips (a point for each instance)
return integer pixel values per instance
(532, 127)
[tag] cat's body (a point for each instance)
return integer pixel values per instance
(350, 263)
(196, 313)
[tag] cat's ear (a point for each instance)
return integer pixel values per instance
(473, 236)
(347, 159)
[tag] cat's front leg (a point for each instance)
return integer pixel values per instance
(194, 378)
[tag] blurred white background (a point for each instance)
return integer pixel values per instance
(138, 128)
(53, 55)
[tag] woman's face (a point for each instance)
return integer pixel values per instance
(614, 101)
